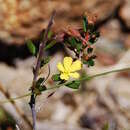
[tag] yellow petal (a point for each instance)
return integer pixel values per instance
(64, 76)
(74, 75)
(60, 67)
(67, 63)
(76, 66)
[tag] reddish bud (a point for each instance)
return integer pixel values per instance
(92, 18)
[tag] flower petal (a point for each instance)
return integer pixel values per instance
(60, 67)
(74, 75)
(76, 66)
(67, 63)
(64, 76)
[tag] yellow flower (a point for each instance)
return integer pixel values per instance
(68, 68)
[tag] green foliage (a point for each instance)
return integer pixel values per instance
(42, 88)
(50, 45)
(39, 82)
(73, 84)
(90, 50)
(45, 61)
(72, 41)
(85, 24)
(75, 44)
(31, 47)
(90, 62)
(50, 33)
(56, 77)
(39, 86)
(93, 37)
(78, 47)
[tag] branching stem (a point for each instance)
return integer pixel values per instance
(39, 58)
(86, 78)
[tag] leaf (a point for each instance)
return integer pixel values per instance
(50, 45)
(85, 24)
(42, 88)
(97, 34)
(90, 50)
(73, 84)
(78, 47)
(50, 33)
(39, 87)
(44, 61)
(72, 42)
(106, 127)
(90, 62)
(75, 44)
(56, 77)
(94, 37)
(84, 61)
(31, 47)
(39, 81)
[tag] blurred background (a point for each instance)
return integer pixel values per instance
(98, 102)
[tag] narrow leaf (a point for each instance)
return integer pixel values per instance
(45, 61)
(85, 24)
(78, 47)
(50, 33)
(42, 88)
(56, 77)
(90, 62)
(40, 80)
(90, 50)
(73, 84)
(50, 45)
(31, 47)
(72, 42)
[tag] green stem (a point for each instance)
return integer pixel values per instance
(102, 74)
(26, 95)
(16, 98)
(86, 78)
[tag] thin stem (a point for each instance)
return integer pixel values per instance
(86, 78)
(32, 106)
(39, 58)
(34, 116)
(26, 95)
(16, 98)
(41, 48)
(104, 73)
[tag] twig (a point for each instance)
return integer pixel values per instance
(40, 56)
(104, 73)
(86, 78)
(42, 45)
(19, 111)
